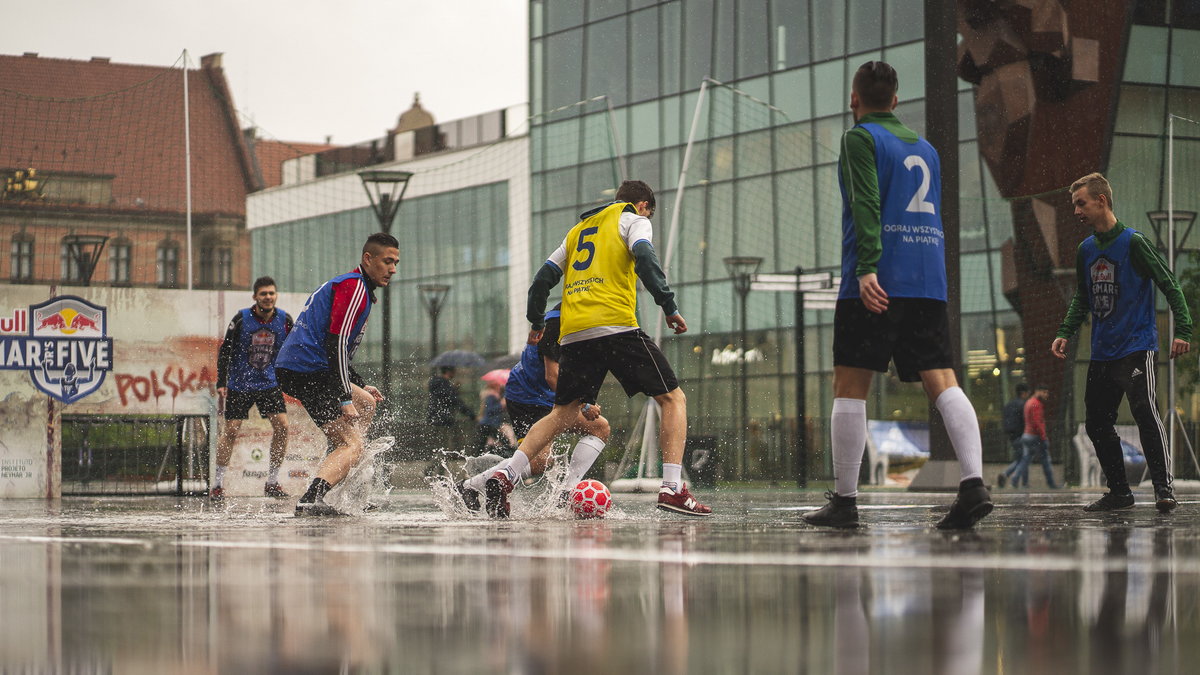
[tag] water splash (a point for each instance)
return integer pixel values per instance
(539, 498)
(352, 494)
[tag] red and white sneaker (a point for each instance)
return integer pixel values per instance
(274, 490)
(216, 494)
(681, 502)
(495, 492)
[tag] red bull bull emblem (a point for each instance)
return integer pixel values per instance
(63, 343)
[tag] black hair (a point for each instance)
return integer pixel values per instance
(876, 84)
(634, 191)
(263, 281)
(380, 240)
(1022, 388)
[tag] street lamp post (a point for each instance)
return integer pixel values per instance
(433, 296)
(385, 189)
(741, 270)
(1170, 219)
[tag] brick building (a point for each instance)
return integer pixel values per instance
(93, 150)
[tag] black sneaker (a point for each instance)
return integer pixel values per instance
(496, 491)
(1164, 500)
(971, 505)
(839, 512)
(1001, 480)
(317, 508)
(469, 496)
(1113, 502)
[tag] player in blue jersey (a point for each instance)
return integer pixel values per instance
(246, 377)
(530, 397)
(892, 302)
(314, 364)
(1116, 271)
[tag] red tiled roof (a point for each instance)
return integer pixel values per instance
(126, 121)
(272, 154)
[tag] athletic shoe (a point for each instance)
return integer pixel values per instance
(839, 512)
(1001, 480)
(274, 490)
(496, 491)
(970, 506)
(1164, 500)
(681, 502)
(564, 500)
(317, 508)
(1112, 502)
(216, 494)
(469, 496)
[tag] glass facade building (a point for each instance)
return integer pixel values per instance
(619, 81)
(761, 180)
(462, 214)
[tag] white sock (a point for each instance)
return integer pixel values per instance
(582, 458)
(477, 481)
(963, 428)
(273, 474)
(518, 467)
(219, 475)
(848, 429)
(672, 476)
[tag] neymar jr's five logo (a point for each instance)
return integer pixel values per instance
(63, 343)
(1104, 287)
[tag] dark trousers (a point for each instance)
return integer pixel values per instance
(1131, 376)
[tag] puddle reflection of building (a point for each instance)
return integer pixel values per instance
(932, 617)
(1127, 609)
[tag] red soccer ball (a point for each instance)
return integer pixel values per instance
(590, 499)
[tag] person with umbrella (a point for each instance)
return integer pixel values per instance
(444, 402)
(529, 390)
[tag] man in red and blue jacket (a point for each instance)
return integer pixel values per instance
(314, 364)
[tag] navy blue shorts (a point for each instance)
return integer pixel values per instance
(269, 402)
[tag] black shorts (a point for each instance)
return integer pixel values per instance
(269, 402)
(913, 332)
(523, 416)
(632, 357)
(322, 400)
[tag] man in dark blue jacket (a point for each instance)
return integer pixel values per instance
(246, 377)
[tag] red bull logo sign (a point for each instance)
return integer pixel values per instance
(63, 343)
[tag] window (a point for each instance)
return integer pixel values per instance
(118, 262)
(224, 267)
(167, 264)
(208, 272)
(216, 267)
(606, 64)
(21, 263)
(72, 265)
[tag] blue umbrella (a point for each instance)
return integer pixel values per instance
(458, 358)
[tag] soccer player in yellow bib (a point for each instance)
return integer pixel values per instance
(600, 263)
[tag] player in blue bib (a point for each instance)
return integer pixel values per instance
(314, 365)
(1116, 271)
(892, 302)
(246, 377)
(530, 397)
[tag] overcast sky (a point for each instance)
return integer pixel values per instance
(302, 70)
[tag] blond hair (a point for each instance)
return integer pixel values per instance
(1096, 185)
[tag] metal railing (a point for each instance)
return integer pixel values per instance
(135, 455)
